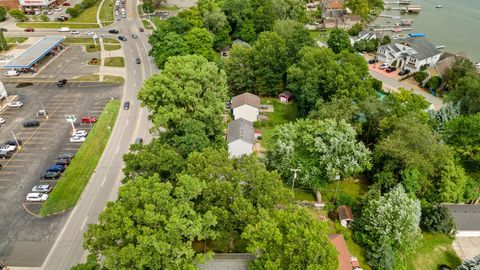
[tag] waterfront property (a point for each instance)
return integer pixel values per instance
(409, 53)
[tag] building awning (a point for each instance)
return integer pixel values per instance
(33, 54)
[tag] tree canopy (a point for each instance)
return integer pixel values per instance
(339, 40)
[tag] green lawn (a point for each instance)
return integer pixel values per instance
(113, 79)
(76, 40)
(106, 12)
(87, 78)
(112, 47)
(434, 250)
(351, 187)
(147, 24)
(116, 61)
(68, 190)
(14, 40)
(89, 15)
(57, 25)
(304, 195)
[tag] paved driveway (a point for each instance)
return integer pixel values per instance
(467, 247)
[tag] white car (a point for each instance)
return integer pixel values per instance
(2, 120)
(77, 139)
(15, 104)
(42, 189)
(80, 133)
(73, 32)
(90, 33)
(8, 147)
(384, 66)
(37, 197)
(64, 29)
(12, 73)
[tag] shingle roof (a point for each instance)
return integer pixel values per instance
(286, 94)
(246, 99)
(421, 45)
(344, 212)
(241, 129)
(343, 256)
(466, 216)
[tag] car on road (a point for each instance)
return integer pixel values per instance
(373, 61)
(90, 33)
(42, 188)
(29, 29)
(37, 197)
(13, 142)
(5, 154)
(113, 31)
(80, 133)
(122, 38)
(141, 29)
(31, 123)
(15, 104)
(404, 72)
(89, 119)
(12, 73)
(42, 112)
(390, 69)
(138, 61)
(2, 121)
(134, 36)
(65, 155)
(8, 147)
(56, 168)
(77, 139)
(50, 175)
(61, 83)
(64, 29)
(126, 105)
(74, 32)
(384, 66)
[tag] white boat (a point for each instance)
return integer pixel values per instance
(439, 6)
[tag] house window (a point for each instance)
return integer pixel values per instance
(412, 60)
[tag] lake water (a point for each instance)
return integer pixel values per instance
(456, 25)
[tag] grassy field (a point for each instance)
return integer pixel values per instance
(77, 40)
(147, 24)
(434, 250)
(116, 61)
(14, 40)
(57, 25)
(106, 12)
(72, 183)
(351, 187)
(304, 195)
(91, 48)
(89, 15)
(112, 47)
(113, 79)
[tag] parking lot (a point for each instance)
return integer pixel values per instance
(22, 234)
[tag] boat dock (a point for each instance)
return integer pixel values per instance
(400, 2)
(390, 28)
(390, 16)
(412, 9)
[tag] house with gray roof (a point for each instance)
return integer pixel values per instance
(240, 137)
(467, 219)
(409, 53)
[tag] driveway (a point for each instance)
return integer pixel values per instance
(467, 247)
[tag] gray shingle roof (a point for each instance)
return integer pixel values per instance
(422, 46)
(241, 129)
(246, 98)
(466, 216)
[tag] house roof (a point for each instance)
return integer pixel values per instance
(246, 99)
(343, 255)
(344, 213)
(466, 216)
(353, 18)
(422, 47)
(335, 4)
(286, 94)
(241, 129)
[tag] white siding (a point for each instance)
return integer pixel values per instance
(246, 112)
(239, 147)
(468, 234)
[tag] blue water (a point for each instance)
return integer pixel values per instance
(456, 25)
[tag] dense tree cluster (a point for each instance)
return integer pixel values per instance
(462, 84)
(3, 13)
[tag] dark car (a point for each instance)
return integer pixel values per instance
(138, 61)
(134, 36)
(31, 123)
(62, 162)
(62, 83)
(113, 31)
(140, 29)
(372, 61)
(126, 105)
(50, 175)
(122, 38)
(56, 168)
(60, 19)
(29, 29)
(13, 142)
(404, 72)
(65, 155)
(390, 69)
(3, 29)
(5, 154)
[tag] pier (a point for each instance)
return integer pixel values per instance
(390, 16)
(390, 28)
(401, 2)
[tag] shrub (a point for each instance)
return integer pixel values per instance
(355, 30)
(420, 76)
(434, 82)
(436, 218)
(3, 13)
(377, 84)
(44, 18)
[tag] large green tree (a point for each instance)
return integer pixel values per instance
(460, 68)
(151, 226)
(290, 239)
(339, 40)
(359, 7)
(296, 37)
(466, 93)
(3, 13)
(18, 15)
(171, 45)
(200, 42)
(319, 149)
(240, 70)
(389, 228)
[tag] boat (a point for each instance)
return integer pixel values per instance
(440, 47)
(407, 22)
(397, 30)
(439, 6)
(416, 35)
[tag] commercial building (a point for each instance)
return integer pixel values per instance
(9, 3)
(37, 6)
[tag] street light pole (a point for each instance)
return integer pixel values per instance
(16, 141)
(294, 176)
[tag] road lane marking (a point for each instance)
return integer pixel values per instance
(103, 182)
(83, 224)
(118, 149)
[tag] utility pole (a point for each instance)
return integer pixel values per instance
(16, 141)
(337, 178)
(295, 171)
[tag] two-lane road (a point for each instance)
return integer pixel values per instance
(104, 183)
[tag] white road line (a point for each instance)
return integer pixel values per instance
(103, 182)
(118, 148)
(83, 224)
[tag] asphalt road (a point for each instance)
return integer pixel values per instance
(103, 186)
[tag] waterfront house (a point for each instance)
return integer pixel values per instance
(246, 106)
(240, 137)
(409, 53)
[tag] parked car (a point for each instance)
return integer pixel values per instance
(42, 189)
(113, 31)
(138, 61)
(141, 29)
(404, 72)
(12, 73)
(15, 104)
(29, 29)
(134, 36)
(122, 38)
(74, 32)
(89, 119)
(13, 142)
(66, 4)
(90, 33)
(62, 162)
(64, 29)
(31, 123)
(80, 133)
(2, 121)
(65, 155)
(390, 69)
(42, 112)
(5, 154)
(384, 66)
(50, 175)
(8, 147)
(56, 168)
(372, 61)
(61, 83)
(3, 29)
(77, 139)
(126, 105)
(37, 197)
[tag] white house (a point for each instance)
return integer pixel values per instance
(240, 137)
(409, 53)
(246, 106)
(467, 219)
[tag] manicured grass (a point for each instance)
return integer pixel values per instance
(112, 47)
(91, 48)
(14, 40)
(351, 187)
(147, 24)
(77, 40)
(113, 79)
(89, 15)
(57, 25)
(72, 183)
(106, 12)
(433, 251)
(87, 78)
(116, 61)
(304, 195)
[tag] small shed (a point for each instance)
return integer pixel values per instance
(345, 215)
(246, 106)
(285, 96)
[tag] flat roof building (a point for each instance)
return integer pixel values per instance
(36, 52)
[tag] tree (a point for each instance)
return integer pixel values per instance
(240, 14)
(171, 45)
(460, 68)
(296, 37)
(270, 63)
(388, 227)
(319, 149)
(290, 239)
(420, 76)
(466, 93)
(3, 13)
(472, 264)
(339, 40)
(436, 218)
(386, 40)
(189, 87)
(358, 7)
(434, 82)
(375, 5)
(355, 30)
(44, 18)
(151, 226)
(18, 15)
(216, 22)
(200, 42)
(239, 69)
